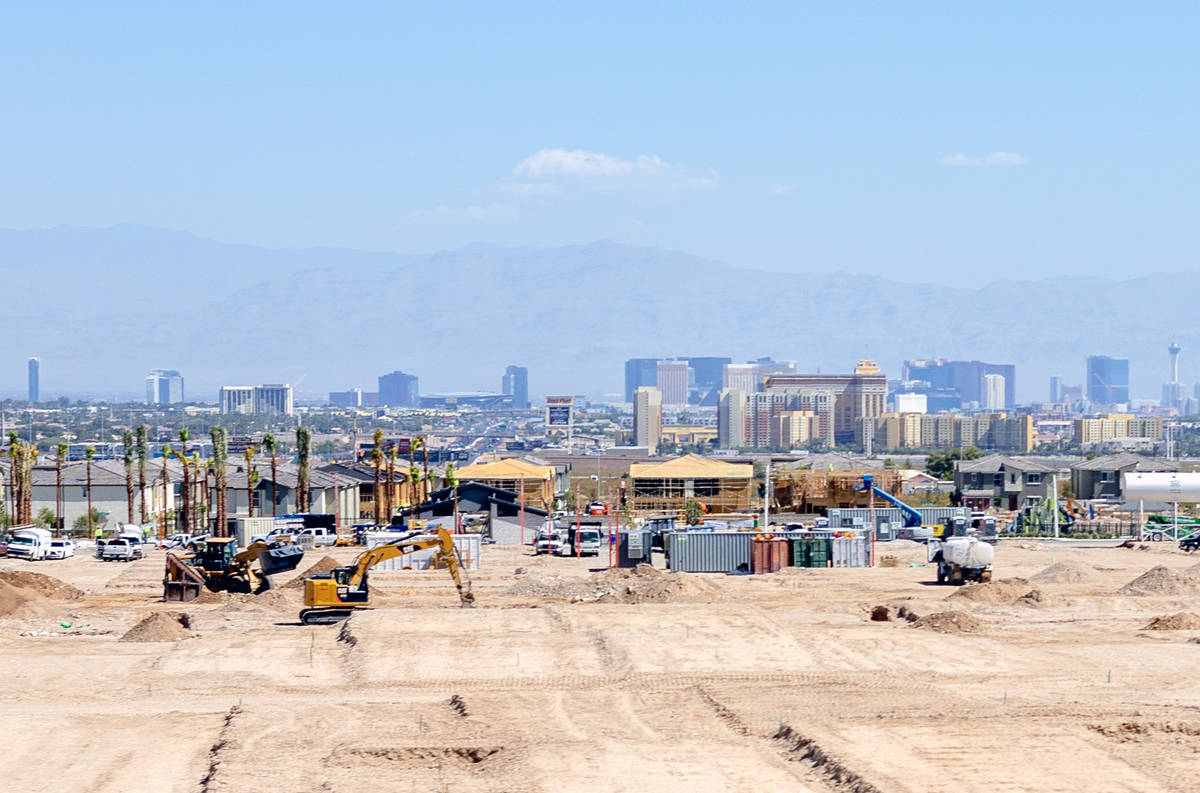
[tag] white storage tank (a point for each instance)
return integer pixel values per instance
(968, 552)
(1164, 487)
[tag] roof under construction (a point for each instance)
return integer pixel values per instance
(691, 466)
(510, 468)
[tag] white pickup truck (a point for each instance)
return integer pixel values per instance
(121, 549)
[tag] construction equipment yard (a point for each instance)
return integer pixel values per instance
(1080, 675)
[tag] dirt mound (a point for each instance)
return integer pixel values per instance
(1161, 581)
(994, 592)
(161, 626)
(25, 594)
(889, 561)
(1068, 572)
(327, 564)
(642, 584)
(1183, 621)
(43, 585)
(208, 597)
(950, 622)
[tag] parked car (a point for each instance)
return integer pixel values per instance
(122, 549)
(60, 549)
(177, 541)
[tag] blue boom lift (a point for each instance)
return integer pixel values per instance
(912, 518)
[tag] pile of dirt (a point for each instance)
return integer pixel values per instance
(25, 594)
(161, 626)
(950, 622)
(208, 597)
(1161, 581)
(889, 561)
(641, 584)
(996, 593)
(1066, 572)
(327, 564)
(1183, 621)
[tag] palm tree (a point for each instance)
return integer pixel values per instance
(127, 457)
(377, 460)
(249, 454)
(425, 454)
(268, 445)
(208, 493)
(31, 455)
(221, 464)
(414, 479)
(197, 492)
(162, 511)
(142, 452)
(185, 513)
(58, 522)
(392, 496)
(303, 450)
(13, 441)
(90, 452)
(450, 479)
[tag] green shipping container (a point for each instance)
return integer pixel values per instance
(811, 552)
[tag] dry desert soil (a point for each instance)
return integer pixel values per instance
(1077, 670)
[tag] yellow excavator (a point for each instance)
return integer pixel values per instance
(220, 567)
(334, 596)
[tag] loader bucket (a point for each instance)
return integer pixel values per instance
(281, 559)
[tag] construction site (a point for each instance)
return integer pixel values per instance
(1068, 671)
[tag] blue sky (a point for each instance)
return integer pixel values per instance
(913, 141)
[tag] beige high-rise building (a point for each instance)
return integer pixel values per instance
(673, 382)
(731, 419)
(740, 376)
(647, 416)
(793, 429)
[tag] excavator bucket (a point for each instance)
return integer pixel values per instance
(281, 559)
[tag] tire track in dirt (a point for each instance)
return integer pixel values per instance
(218, 749)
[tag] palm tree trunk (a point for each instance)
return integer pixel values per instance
(58, 527)
(377, 492)
(162, 523)
(274, 501)
(89, 489)
(425, 482)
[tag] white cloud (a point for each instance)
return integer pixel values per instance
(996, 158)
(547, 171)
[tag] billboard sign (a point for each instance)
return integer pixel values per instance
(558, 411)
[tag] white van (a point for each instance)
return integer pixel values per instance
(29, 542)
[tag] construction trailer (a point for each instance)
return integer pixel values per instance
(808, 491)
(667, 487)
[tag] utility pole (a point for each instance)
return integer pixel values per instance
(766, 521)
(1054, 500)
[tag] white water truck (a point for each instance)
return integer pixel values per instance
(962, 559)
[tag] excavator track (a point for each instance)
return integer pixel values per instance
(325, 616)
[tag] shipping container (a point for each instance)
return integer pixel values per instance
(811, 552)
(860, 517)
(635, 547)
(768, 555)
(851, 551)
(470, 548)
(935, 516)
(245, 528)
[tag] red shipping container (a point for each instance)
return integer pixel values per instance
(768, 555)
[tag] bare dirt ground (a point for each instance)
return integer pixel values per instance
(565, 680)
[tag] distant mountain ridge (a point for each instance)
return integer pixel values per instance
(102, 306)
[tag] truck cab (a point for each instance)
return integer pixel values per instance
(588, 541)
(29, 543)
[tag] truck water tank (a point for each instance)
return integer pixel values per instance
(968, 552)
(1168, 487)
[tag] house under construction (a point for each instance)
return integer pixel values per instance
(718, 487)
(806, 491)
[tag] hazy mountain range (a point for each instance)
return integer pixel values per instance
(100, 307)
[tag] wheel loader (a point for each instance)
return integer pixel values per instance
(220, 567)
(334, 596)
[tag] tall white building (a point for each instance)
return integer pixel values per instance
(913, 403)
(740, 377)
(164, 387)
(237, 399)
(731, 419)
(993, 392)
(647, 417)
(273, 400)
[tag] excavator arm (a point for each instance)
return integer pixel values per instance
(332, 598)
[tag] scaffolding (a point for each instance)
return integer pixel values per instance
(714, 486)
(806, 491)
